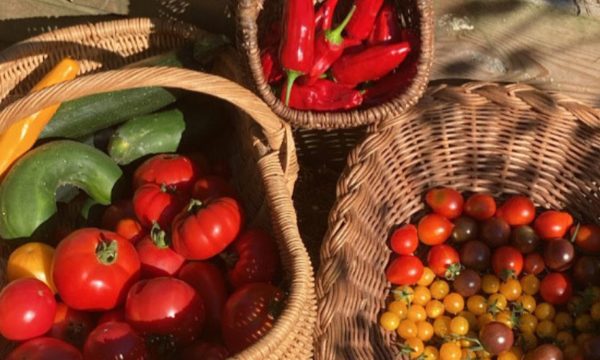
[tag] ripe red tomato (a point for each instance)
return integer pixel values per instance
(534, 264)
(114, 340)
(117, 314)
(517, 210)
(205, 230)
(556, 288)
(480, 206)
(130, 229)
(210, 187)
(404, 270)
(445, 201)
(94, 268)
(156, 257)
(72, 326)
(27, 309)
(552, 224)
(588, 238)
(405, 240)
(165, 306)
(45, 348)
(507, 261)
(167, 169)
(444, 261)
(156, 204)
(120, 209)
(209, 282)
(249, 314)
(434, 229)
(204, 350)
(253, 257)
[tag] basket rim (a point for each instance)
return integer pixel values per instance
(247, 15)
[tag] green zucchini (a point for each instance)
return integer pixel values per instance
(28, 192)
(148, 134)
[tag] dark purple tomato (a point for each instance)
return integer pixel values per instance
(525, 239)
(465, 229)
(476, 255)
(591, 348)
(495, 232)
(467, 283)
(559, 254)
(496, 337)
(546, 352)
(586, 271)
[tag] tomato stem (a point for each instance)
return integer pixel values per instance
(107, 251)
(194, 206)
(159, 237)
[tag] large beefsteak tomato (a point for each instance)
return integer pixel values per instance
(167, 169)
(253, 257)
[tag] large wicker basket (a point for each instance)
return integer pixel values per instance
(264, 150)
(476, 137)
(253, 19)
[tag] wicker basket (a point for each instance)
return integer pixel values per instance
(476, 137)
(264, 149)
(253, 19)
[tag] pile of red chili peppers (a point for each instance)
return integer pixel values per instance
(323, 68)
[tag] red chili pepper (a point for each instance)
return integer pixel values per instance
(391, 85)
(271, 66)
(324, 95)
(329, 46)
(324, 16)
(387, 28)
(298, 44)
(361, 25)
(370, 64)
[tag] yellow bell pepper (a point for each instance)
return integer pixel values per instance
(21, 135)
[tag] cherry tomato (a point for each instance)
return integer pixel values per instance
(434, 229)
(495, 232)
(530, 284)
(45, 348)
(459, 326)
(534, 264)
(427, 277)
(545, 311)
(496, 338)
(93, 269)
(119, 210)
(450, 351)
(404, 240)
(253, 257)
(475, 255)
(416, 313)
(439, 289)
(156, 257)
(421, 296)
(517, 210)
(204, 230)
(465, 229)
(249, 314)
(31, 260)
(556, 288)
(114, 340)
(563, 320)
(72, 326)
(467, 283)
(210, 187)
(434, 309)
(591, 348)
(528, 323)
(546, 352)
(511, 289)
(507, 261)
(480, 206)
(490, 284)
(545, 329)
(389, 321)
(445, 201)
(559, 254)
(477, 305)
(130, 229)
(552, 224)
(525, 239)
(407, 329)
(27, 309)
(165, 306)
(399, 308)
(586, 271)
(416, 347)
(441, 326)
(156, 204)
(404, 270)
(587, 238)
(167, 169)
(424, 330)
(204, 350)
(454, 303)
(444, 261)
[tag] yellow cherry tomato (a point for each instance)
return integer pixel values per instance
(416, 313)
(416, 346)
(431, 353)
(389, 321)
(404, 293)
(564, 339)
(427, 277)
(511, 289)
(471, 318)
(407, 329)
(399, 308)
(527, 302)
(496, 303)
(528, 323)
(454, 303)
(424, 330)
(530, 284)
(450, 351)
(467, 354)
(459, 326)
(508, 355)
(465, 342)
(421, 295)
(545, 311)
(434, 309)
(563, 320)
(571, 351)
(584, 323)
(490, 284)
(439, 289)
(477, 304)
(484, 319)
(546, 329)
(529, 341)
(506, 318)
(582, 338)
(595, 311)
(32, 260)
(441, 326)
(483, 355)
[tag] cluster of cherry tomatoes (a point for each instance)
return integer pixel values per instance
(500, 280)
(173, 273)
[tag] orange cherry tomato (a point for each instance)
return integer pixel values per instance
(445, 201)
(517, 210)
(552, 224)
(434, 229)
(405, 240)
(480, 206)
(130, 229)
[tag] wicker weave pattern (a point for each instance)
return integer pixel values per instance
(477, 137)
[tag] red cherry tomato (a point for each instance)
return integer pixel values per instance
(552, 224)
(112, 315)
(121, 209)
(209, 282)
(204, 230)
(253, 257)
(480, 206)
(556, 288)
(165, 306)
(445, 201)
(534, 264)
(210, 187)
(204, 350)
(156, 204)
(114, 340)
(434, 229)
(72, 326)
(130, 229)
(45, 348)
(405, 240)
(27, 309)
(443, 260)
(588, 238)
(404, 270)
(156, 257)
(167, 169)
(93, 269)
(507, 261)
(517, 210)
(249, 314)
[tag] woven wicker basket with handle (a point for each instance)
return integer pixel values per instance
(254, 18)
(475, 137)
(264, 158)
